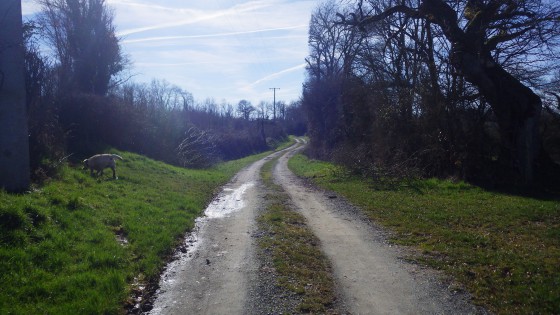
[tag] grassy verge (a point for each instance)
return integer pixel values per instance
(76, 244)
(504, 249)
(298, 260)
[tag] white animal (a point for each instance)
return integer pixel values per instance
(100, 162)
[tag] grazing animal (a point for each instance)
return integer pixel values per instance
(100, 162)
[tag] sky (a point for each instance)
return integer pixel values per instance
(224, 50)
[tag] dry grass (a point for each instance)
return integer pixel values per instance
(301, 266)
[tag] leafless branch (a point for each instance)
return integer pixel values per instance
(557, 98)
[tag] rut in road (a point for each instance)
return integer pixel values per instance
(219, 273)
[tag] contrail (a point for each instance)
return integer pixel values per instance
(150, 39)
(194, 16)
(268, 77)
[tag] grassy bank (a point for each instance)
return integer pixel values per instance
(76, 244)
(301, 266)
(504, 249)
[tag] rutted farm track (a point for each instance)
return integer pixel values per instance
(223, 272)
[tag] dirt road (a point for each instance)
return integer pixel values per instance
(218, 271)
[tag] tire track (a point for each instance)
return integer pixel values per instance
(369, 273)
(220, 273)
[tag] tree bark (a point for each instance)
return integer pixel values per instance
(517, 109)
(14, 142)
(516, 106)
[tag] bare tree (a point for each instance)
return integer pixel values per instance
(198, 149)
(281, 107)
(263, 110)
(14, 143)
(86, 47)
(332, 52)
(331, 45)
(245, 109)
(226, 109)
(485, 36)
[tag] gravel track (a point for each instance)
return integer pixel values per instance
(223, 272)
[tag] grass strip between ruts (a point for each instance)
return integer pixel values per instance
(298, 261)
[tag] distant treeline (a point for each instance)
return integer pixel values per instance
(156, 119)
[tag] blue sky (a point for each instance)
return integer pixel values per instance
(225, 50)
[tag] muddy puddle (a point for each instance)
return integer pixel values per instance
(229, 201)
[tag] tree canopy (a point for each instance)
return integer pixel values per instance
(432, 67)
(85, 45)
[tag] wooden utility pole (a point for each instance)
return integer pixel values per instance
(14, 139)
(274, 103)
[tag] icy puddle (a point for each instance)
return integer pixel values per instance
(229, 201)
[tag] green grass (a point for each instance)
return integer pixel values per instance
(59, 248)
(504, 249)
(301, 266)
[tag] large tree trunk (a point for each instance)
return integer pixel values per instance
(14, 142)
(516, 106)
(518, 110)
